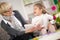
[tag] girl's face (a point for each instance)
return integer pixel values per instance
(8, 13)
(37, 11)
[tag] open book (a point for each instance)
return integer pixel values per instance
(28, 26)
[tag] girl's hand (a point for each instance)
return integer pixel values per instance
(38, 27)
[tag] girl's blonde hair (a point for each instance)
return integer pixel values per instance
(40, 6)
(4, 6)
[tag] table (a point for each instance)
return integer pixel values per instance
(52, 36)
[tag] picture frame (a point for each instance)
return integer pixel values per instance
(27, 2)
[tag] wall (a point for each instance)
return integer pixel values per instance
(24, 10)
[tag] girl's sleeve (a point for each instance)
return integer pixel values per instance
(50, 17)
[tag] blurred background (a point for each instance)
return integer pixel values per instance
(25, 7)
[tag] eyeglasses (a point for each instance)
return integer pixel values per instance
(8, 10)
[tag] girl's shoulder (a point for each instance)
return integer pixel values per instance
(47, 15)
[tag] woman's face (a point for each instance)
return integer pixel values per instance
(8, 13)
(37, 11)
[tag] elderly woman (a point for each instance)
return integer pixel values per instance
(11, 24)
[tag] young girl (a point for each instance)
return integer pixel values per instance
(42, 18)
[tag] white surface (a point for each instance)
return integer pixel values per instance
(52, 36)
(28, 26)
